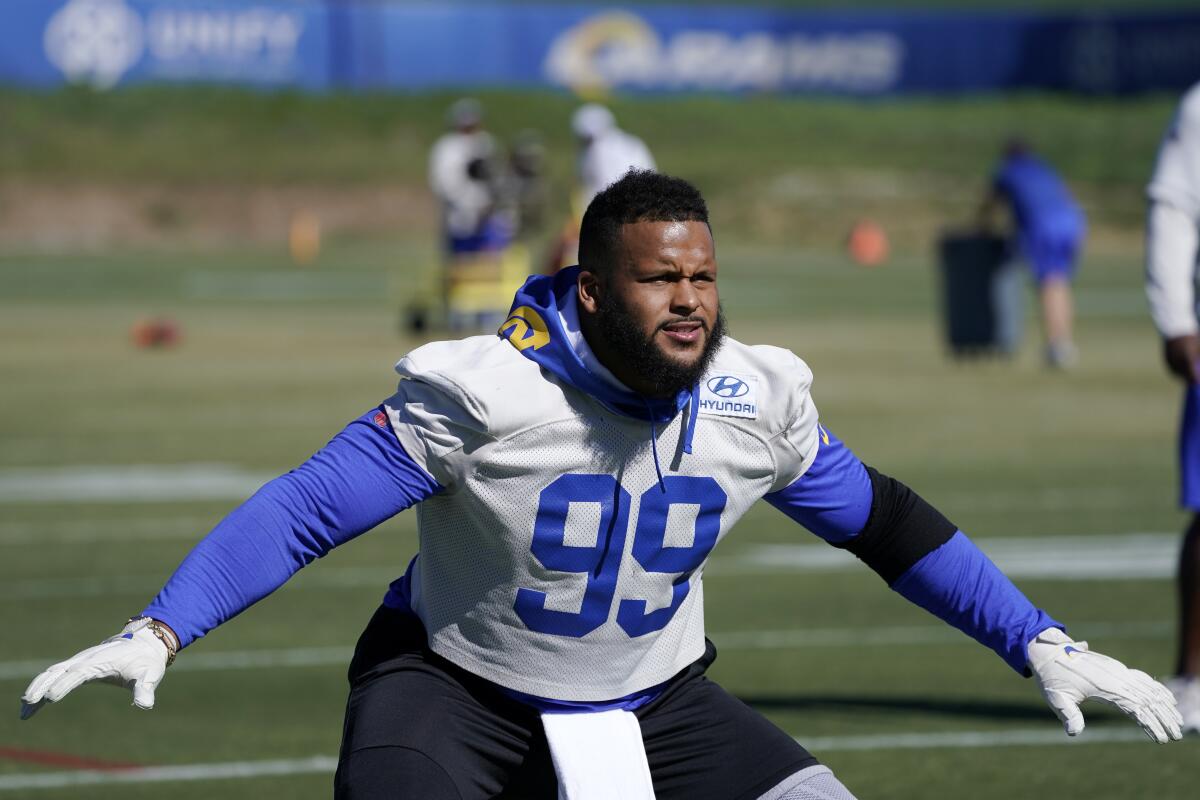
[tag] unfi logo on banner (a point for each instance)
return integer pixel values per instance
(99, 41)
(94, 41)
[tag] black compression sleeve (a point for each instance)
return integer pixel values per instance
(901, 529)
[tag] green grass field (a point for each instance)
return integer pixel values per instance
(1007, 450)
(275, 359)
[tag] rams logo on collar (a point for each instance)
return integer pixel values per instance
(525, 328)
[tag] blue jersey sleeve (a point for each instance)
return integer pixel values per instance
(959, 584)
(358, 480)
(919, 552)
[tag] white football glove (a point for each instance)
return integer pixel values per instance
(1068, 673)
(135, 658)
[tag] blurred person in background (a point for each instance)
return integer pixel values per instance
(1049, 228)
(1171, 254)
(606, 153)
(524, 186)
(476, 227)
(461, 175)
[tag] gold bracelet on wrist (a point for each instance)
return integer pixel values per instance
(163, 634)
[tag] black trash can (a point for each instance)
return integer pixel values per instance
(983, 294)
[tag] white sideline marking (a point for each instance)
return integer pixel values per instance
(909, 635)
(191, 481)
(182, 772)
(136, 483)
(1039, 737)
(1048, 498)
(217, 661)
(733, 640)
(1135, 556)
(126, 529)
(954, 739)
(148, 584)
(1126, 556)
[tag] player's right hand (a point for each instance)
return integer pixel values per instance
(135, 658)
(1182, 354)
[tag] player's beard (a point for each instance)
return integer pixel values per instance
(667, 376)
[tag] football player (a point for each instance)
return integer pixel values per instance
(1050, 227)
(571, 477)
(1171, 253)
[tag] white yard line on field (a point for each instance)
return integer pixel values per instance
(218, 660)
(1134, 556)
(1140, 556)
(1125, 556)
(1039, 737)
(850, 636)
(188, 481)
(215, 661)
(135, 483)
(124, 529)
(181, 772)
(146, 584)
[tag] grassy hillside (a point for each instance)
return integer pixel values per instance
(790, 169)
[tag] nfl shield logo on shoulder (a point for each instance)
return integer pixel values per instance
(730, 395)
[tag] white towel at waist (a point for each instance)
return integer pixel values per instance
(598, 756)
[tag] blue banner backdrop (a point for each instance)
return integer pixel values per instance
(348, 44)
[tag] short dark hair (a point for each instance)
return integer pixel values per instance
(639, 196)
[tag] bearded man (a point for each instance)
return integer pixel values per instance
(571, 477)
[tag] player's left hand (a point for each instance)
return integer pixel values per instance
(1068, 673)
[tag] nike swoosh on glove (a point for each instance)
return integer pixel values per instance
(135, 658)
(1068, 673)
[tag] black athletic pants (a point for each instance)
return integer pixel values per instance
(419, 727)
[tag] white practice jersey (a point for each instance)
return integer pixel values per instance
(1176, 177)
(555, 562)
(1171, 236)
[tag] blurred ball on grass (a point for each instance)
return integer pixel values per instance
(155, 332)
(867, 243)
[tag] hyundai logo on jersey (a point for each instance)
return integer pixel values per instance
(727, 386)
(730, 396)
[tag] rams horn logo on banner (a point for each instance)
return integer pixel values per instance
(727, 386)
(586, 56)
(525, 328)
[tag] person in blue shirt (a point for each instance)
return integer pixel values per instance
(1049, 228)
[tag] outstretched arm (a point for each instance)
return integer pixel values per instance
(358, 480)
(926, 559)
